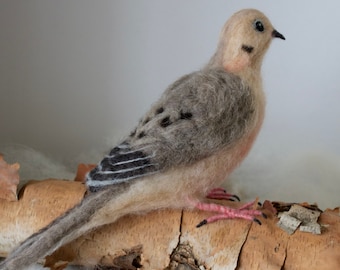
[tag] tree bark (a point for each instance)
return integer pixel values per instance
(168, 239)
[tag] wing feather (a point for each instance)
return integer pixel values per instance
(195, 116)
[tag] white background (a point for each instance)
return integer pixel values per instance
(76, 76)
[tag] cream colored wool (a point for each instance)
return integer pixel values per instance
(187, 143)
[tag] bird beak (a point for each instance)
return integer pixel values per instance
(276, 34)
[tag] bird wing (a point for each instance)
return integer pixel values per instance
(197, 115)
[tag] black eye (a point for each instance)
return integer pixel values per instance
(258, 25)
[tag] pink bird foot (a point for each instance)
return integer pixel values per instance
(225, 212)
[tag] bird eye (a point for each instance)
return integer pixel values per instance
(258, 25)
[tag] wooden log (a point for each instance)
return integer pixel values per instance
(168, 239)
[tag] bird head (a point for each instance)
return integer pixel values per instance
(244, 40)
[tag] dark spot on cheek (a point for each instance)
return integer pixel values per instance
(247, 49)
(185, 115)
(141, 135)
(165, 122)
(159, 110)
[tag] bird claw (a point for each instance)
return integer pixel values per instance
(221, 194)
(203, 222)
(257, 221)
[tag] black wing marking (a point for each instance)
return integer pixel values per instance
(120, 165)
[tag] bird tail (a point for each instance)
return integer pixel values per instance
(63, 230)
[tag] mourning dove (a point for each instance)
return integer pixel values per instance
(190, 140)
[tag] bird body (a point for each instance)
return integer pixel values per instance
(173, 134)
(190, 140)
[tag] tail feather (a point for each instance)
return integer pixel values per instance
(64, 229)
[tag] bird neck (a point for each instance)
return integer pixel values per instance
(252, 76)
(250, 73)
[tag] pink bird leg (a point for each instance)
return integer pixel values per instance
(225, 212)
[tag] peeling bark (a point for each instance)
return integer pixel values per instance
(169, 239)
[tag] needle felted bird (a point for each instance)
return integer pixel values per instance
(190, 140)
